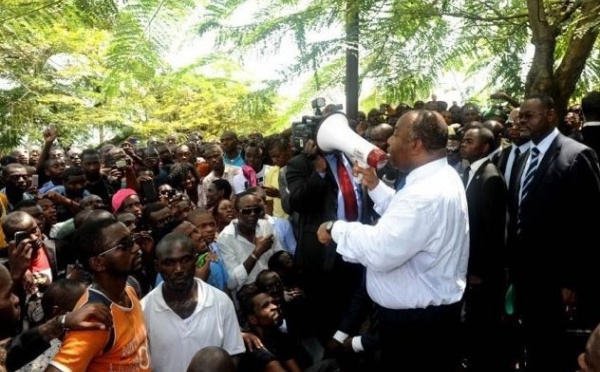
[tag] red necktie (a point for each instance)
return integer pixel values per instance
(347, 188)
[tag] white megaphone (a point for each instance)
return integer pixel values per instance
(334, 133)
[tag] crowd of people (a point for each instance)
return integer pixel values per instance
(471, 249)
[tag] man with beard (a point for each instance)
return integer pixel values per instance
(184, 314)
(68, 196)
(110, 252)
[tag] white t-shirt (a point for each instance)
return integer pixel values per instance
(174, 341)
(240, 183)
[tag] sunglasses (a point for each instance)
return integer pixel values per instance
(248, 211)
(126, 244)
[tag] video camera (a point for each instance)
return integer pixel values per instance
(304, 130)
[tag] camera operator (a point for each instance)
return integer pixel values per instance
(317, 195)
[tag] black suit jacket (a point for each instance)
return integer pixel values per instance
(556, 244)
(315, 199)
(591, 137)
(503, 159)
(487, 196)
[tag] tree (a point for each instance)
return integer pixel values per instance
(405, 46)
(87, 65)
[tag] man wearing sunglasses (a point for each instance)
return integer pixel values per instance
(247, 243)
(111, 253)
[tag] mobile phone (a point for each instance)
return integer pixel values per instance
(149, 191)
(121, 164)
(19, 236)
(201, 259)
(35, 179)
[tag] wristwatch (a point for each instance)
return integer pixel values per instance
(329, 226)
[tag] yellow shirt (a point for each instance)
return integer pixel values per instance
(272, 180)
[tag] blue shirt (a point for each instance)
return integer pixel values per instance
(238, 161)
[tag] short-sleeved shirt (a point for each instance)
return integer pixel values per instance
(175, 341)
(123, 348)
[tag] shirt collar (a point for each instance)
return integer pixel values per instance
(592, 124)
(478, 163)
(205, 298)
(546, 142)
(426, 170)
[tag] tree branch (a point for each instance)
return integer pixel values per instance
(474, 17)
(569, 12)
(31, 11)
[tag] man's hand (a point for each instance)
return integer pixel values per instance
(368, 176)
(50, 134)
(263, 244)
(324, 235)
(89, 317)
(311, 150)
(252, 341)
(271, 191)
(19, 258)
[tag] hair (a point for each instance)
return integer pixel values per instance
(81, 217)
(546, 101)
(179, 172)
(27, 203)
(245, 297)
(262, 276)
(223, 185)
(91, 152)
(486, 136)
(211, 359)
(195, 213)
(274, 262)
(11, 167)
(426, 128)
(169, 240)
(239, 197)
(230, 133)
(89, 239)
(62, 293)
(73, 172)
(590, 106)
(12, 219)
(279, 142)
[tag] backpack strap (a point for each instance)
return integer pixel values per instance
(95, 297)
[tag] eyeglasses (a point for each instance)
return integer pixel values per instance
(126, 244)
(530, 115)
(250, 210)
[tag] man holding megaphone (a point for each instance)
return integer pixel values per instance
(416, 255)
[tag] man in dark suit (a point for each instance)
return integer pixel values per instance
(553, 249)
(590, 106)
(486, 197)
(316, 195)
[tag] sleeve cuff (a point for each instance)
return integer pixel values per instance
(357, 344)
(340, 336)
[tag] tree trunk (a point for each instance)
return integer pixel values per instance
(352, 38)
(540, 75)
(580, 47)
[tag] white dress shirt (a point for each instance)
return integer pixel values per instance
(512, 158)
(543, 146)
(473, 168)
(235, 249)
(417, 254)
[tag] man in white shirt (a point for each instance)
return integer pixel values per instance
(184, 314)
(247, 243)
(416, 256)
(213, 154)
